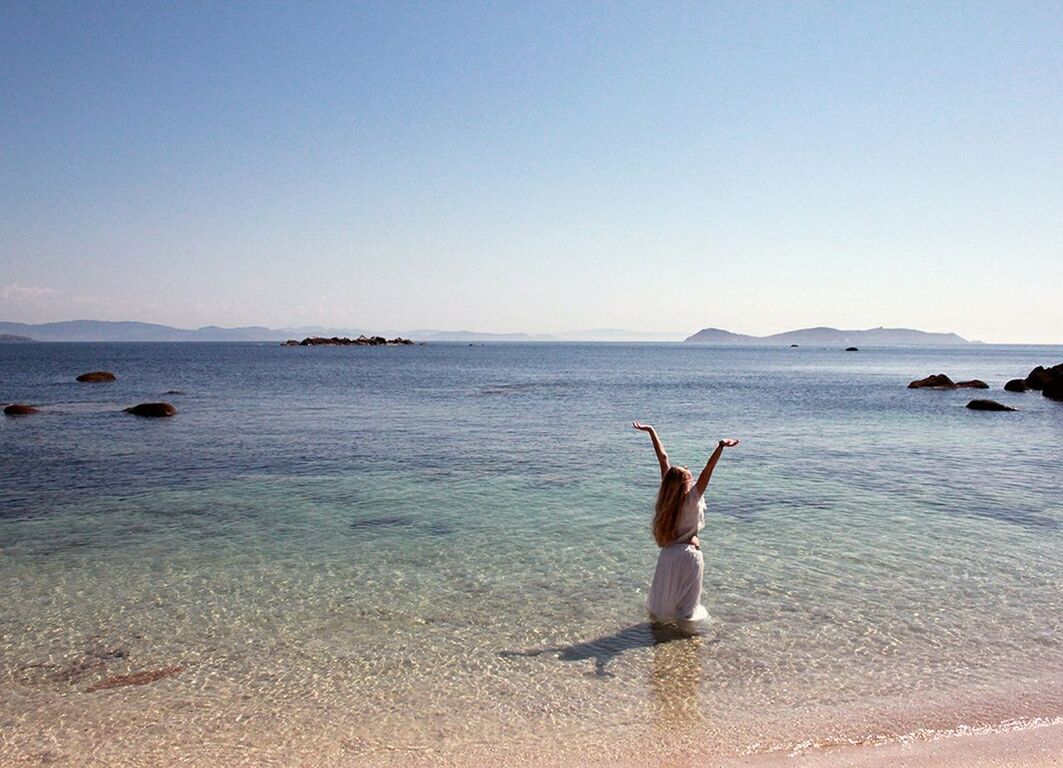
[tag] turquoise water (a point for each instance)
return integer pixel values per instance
(370, 555)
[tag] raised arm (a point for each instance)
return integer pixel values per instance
(703, 478)
(662, 457)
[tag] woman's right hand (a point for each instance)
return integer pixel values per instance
(643, 427)
(728, 442)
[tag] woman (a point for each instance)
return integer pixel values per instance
(679, 515)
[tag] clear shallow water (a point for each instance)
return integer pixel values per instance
(360, 555)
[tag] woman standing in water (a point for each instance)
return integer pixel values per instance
(678, 516)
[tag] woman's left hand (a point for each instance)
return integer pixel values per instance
(729, 442)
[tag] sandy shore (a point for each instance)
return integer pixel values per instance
(1031, 746)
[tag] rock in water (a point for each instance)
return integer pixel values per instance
(1038, 377)
(934, 381)
(988, 405)
(96, 377)
(1016, 385)
(19, 409)
(137, 678)
(153, 410)
(337, 341)
(851, 349)
(973, 384)
(1048, 381)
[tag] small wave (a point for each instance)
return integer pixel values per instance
(919, 735)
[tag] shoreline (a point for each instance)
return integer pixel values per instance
(1036, 743)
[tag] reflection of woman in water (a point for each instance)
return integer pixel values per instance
(680, 513)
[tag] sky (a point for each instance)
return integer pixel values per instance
(535, 166)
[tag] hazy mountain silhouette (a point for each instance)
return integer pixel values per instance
(829, 337)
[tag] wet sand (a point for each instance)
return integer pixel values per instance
(1033, 746)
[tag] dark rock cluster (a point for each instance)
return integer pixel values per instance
(338, 341)
(1048, 381)
(941, 381)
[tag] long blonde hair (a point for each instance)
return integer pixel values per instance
(674, 487)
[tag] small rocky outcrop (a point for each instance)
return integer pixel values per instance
(152, 410)
(934, 381)
(173, 392)
(941, 381)
(851, 349)
(343, 341)
(989, 405)
(1047, 381)
(96, 377)
(1038, 377)
(20, 409)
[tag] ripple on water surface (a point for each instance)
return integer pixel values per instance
(446, 549)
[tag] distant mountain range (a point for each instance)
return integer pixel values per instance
(103, 330)
(829, 337)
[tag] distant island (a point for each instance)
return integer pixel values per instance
(829, 337)
(10, 338)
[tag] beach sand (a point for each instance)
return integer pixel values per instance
(1030, 746)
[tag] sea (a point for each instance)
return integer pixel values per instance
(424, 554)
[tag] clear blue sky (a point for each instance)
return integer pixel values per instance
(535, 166)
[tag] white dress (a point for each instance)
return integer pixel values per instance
(676, 591)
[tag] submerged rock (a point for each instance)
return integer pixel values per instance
(96, 377)
(973, 384)
(20, 409)
(934, 381)
(152, 410)
(137, 678)
(1017, 385)
(989, 405)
